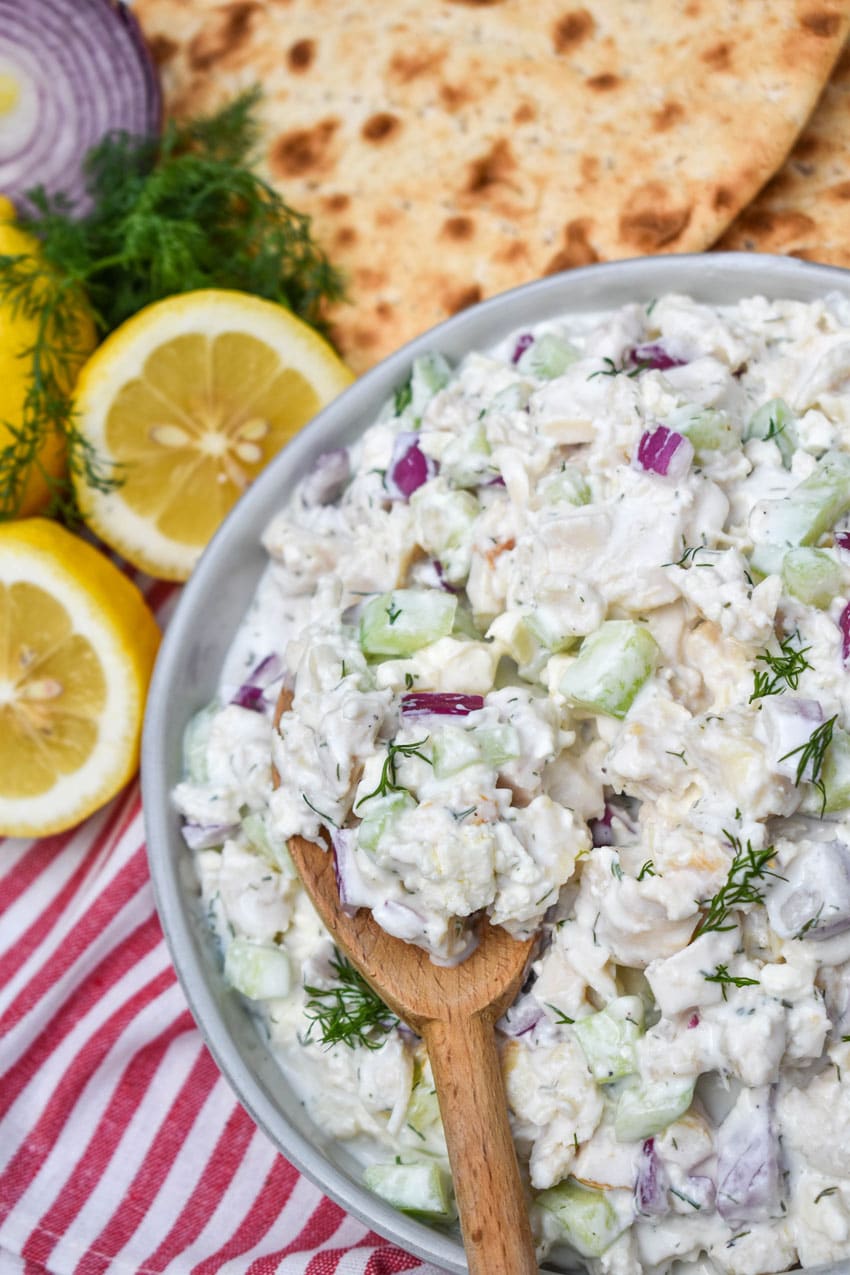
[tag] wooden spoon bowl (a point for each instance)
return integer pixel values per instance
(454, 1010)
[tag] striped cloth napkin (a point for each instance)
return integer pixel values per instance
(122, 1148)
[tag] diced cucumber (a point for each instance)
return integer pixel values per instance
(195, 740)
(400, 622)
(587, 1218)
(430, 373)
(547, 357)
(378, 814)
(512, 398)
(444, 516)
(647, 1108)
(454, 748)
(568, 485)
(271, 848)
(804, 515)
(422, 1188)
(608, 1039)
(547, 625)
(423, 1110)
(835, 773)
(259, 971)
(708, 430)
(611, 667)
(774, 420)
(812, 575)
(466, 459)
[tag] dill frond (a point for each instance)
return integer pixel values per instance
(747, 870)
(350, 1012)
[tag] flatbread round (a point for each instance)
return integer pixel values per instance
(451, 150)
(805, 209)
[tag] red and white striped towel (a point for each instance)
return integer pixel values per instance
(122, 1148)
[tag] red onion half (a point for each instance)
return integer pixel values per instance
(663, 451)
(409, 467)
(654, 356)
(443, 703)
(75, 70)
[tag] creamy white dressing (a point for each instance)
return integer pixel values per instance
(625, 766)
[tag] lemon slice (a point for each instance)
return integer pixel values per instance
(77, 645)
(192, 397)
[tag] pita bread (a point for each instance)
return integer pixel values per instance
(805, 209)
(451, 150)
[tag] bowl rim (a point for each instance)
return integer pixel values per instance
(632, 279)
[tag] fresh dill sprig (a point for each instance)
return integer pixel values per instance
(560, 1016)
(611, 369)
(722, 976)
(350, 1012)
(648, 870)
(813, 753)
(689, 555)
(389, 775)
(748, 867)
(167, 214)
(785, 668)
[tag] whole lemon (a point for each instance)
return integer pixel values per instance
(18, 332)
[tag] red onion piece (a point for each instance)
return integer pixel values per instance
(250, 697)
(600, 829)
(693, 1022)
(251, 693)
(653, 355)
(200, 836)
(842, 540)
(441, 578)
(354, 891)
(409, 467)
(663, 451)
(522, 1017)
(748, 1176)
(651, 1183)
(81, 70)
(844, 628)
(524, 342)
(443, 703)
(328, 478)
(400, 920)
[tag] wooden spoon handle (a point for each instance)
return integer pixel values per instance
(473, 1104)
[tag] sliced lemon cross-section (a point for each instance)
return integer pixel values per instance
(190, 399)
(77, 645)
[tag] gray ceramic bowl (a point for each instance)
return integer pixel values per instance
(209, 613)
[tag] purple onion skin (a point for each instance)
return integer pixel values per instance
(250, 697)
(842, 540)
(844, 629)
(654, 357)
(442, 703)
(522, 1017)
(652, 1183)
(524, 342)
(662, 448)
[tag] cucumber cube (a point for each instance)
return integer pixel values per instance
(547, 357)
(454, 749)
(568, 485)
(587, 1218)
(774, 420)
(422, 1189)
(379, 813)
(708, 431)
(611, 667)
(608, 1039)
(835, 773)
(812, 575)
(806, 513)
(647, 1108)
(400, 622)
(259, 971)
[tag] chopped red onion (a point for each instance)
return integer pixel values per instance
(693, 1022)
(441, 578)
(442, 703)
(842, 540)
(79, 70)
(354, 891)
(251, 693)
(653, 355)
(328, 478)
(524, 342)
(600, 829)
(748, 1178)
(409, 467)
(844, 628)
(522, 1017)
(496, 481)
(250, 697)
(651, 1183)
(663, 451)
(205, 836)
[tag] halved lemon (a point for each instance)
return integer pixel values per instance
(77, 645)
(191, 398)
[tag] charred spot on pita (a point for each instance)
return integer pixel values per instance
(603, 83)
(577, 249)
(464, 298)
(490, 169)
(650, 224)
(303, 150)
(380, 126)
(820, 23)
(458, 228)
(571, 29)
(719, 56)
(667, 115)
(301, 55)
(231, 28)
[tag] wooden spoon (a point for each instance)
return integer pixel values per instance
(454, 1011)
